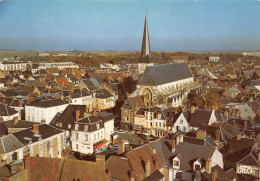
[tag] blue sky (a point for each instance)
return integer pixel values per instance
(185, 25)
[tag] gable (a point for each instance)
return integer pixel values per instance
(127, 105)
(146, 79)
(178, 121)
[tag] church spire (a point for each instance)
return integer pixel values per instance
(145, 52)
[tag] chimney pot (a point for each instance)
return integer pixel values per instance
(35, 128)
(208, 165)
(217, 135)
(177, 139)
(20, 103)
(239, 134)
(77, 114)
(147, 166)
(120, 147)
(181, 138)
(132, 176)
(173, 146)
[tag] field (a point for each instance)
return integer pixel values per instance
(8, 54)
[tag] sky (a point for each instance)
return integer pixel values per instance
(178, 25)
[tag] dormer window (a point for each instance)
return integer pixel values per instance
(86, 128)
(160, 116)
(60, 125)
(76, 127)
(196, 167)
(176, 163)
(69, 126)
(97, 125)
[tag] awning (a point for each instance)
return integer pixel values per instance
(98, 145)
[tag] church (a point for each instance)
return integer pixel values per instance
(165, 83)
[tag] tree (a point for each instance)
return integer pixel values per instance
(211, 97)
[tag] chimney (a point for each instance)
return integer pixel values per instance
(235, 124)
(28, 100)
(217, 135)
(147, 166)
(239, 134)
(35, 128)
(177, 139)
(120, 147)
(27, 166)
(156, 163)
(70, 95)
(132, 176)
(192, 109)
(15, 120)
(77, 114)
(214, 175)
(201, 134)
(173, 146)
(245, 124)
(181, 138)
(109, 173)
(100, 159)
(208, 165)
(20, 103)
(258, 155)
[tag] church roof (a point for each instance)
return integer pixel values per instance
(165, 73)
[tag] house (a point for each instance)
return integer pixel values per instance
(7, 113)
(232, 92)
(214, 59)
(189, 158)
(40, 140)
(128, 110)
(14, 65)
(44, 109)
(80, 97)
(37, 168)
(59, 65)
(92, 132)
(193, 119)
(87, 84)
(142, 163)
(102, 100)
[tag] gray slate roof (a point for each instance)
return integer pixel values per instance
(165, 73)
(9, 143)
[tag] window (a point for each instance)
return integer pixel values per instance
(179, 175)
(98, 135)
(85, 128)
(151, 124)
(181, 121)
(60, 125)
(160, 124)
(76, 136)
(197, 166)
(76, 127)
(94, 137)
(77, 146)
(86, 137)
(69, 126)
(176, 163)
